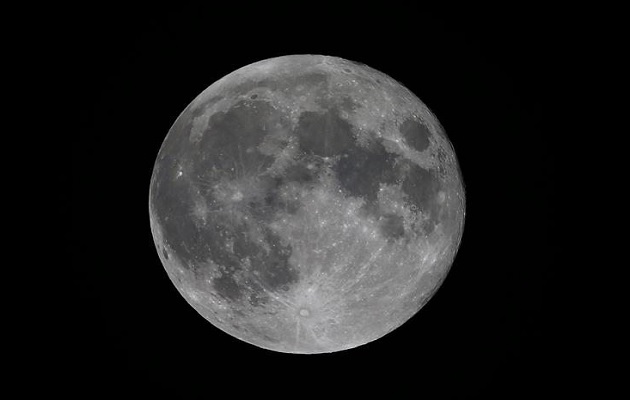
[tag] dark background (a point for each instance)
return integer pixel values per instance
(491, 331)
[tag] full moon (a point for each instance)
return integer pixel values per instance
(306, 204)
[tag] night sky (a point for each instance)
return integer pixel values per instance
(491, 329)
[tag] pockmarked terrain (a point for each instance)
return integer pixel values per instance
(307, 204)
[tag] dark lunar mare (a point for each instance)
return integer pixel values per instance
(360, 171)
(324, 134)
(422, 187)
(229, 148)
(269, 267)
(230, 141)
(392, 226)
(416, 134)
(267, 207)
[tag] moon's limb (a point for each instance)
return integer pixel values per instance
(306, 204)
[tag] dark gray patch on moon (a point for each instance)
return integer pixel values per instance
(300, 173)
(324, 134)
(227, 146)
(392, 226)
(361, 171)
(227, 287)
(271, 264)
(422, 187)
(173, 203)
(416, 134)
(229, 246)
(266, 207)
(229, 142)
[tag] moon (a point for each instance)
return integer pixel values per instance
(307, 204)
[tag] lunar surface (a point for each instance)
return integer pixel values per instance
(306, 204)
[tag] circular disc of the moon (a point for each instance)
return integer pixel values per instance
(306, 204)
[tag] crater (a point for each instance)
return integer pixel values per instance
(285, 82)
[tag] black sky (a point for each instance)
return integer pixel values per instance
(488, 75)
